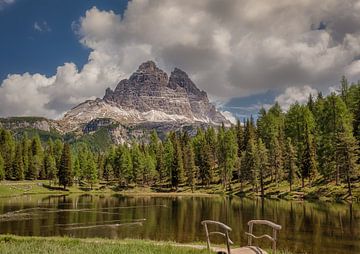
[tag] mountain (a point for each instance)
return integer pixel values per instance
(148, 100)
(149, 95)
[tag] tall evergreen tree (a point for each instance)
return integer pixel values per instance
(2, 171)
(50, 166)
(65, 167)
(290, 163)
(36, 159)
(347, 150)
(189, 165)
(7, 149)
(160, 162)
(263, 165)
(308, 163)
(25, 143)
(18, 167)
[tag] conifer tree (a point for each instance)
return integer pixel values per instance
(2, 172)
(50, 166)
(347, 150)
(138, 162)
(308, 163)
(77, 174)
(177, 166)
(189, 165)
(290, 162)
(25, 143)
(65, 167)
(58, 149)
(7, 149)
(91, 171)
(126, 166)
(36, 159)
(18, 167)
(169, 156)
(249, 164)
(108, 172)
(160, 162)
(263, 164)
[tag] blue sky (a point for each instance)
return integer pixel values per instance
(26, 49)
(245, 54)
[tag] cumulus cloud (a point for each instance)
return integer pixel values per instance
(295, 94)
(42, 26)
(229, 116)
(231, 48)
(4, 3)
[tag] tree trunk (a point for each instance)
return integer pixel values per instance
(262, 185)
(302, 182)
(349, 184)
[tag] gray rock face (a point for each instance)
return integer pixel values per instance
(150, 89)
(149, 95)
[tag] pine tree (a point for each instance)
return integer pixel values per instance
(149, 170)
(2, 172)
(108, 172)
(308, 165)
(169, 156)
(36, 159)
(290, 162)
(344, 91)
(249, 164)
(50, 166)
(58, 149)
(18, 167)
(91, 171)
(160, 162)
(65, 167)
(230, 157)
(177, 166)
(347, 150)
(138, 162)
(25, 143)
(189, 165)
(262, 163)
(7, 149)
(126, 166)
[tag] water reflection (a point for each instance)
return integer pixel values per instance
(310, 227)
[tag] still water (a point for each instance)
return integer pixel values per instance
(307, 227)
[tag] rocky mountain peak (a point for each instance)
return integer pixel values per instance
(149, 96)
(149, 74)
(180, 78)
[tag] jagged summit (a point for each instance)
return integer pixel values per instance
(149, 95)
(180, 78)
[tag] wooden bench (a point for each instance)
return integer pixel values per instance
(224, 231)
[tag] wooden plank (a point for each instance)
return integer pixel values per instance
(242, 250)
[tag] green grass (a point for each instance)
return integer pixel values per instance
(42, 245)
(10, 244)
(323, 192)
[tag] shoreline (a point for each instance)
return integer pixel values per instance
(42, 244)
(9, 189)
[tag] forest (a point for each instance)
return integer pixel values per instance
(308, 144)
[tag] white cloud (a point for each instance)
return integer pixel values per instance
(231, 48)
(229, 116)
(295, 94)
(42, 26)
(4, 3)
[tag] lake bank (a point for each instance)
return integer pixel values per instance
(325, 192)
(10, 244)
(307, 227)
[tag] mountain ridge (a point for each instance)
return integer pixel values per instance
(148, 99)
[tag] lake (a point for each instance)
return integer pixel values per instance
(307, 227)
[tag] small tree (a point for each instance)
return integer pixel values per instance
(290, 162)
(2, 172)
(64, 174)
(18, 167)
